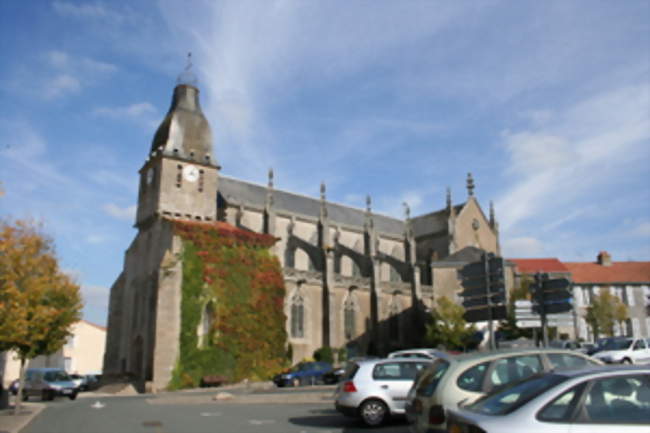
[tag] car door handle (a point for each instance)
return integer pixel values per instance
(384, 387)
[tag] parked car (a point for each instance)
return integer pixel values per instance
(80, 381)
(453, 380)
(13, 387)
(374, 390)
(305, 373)
(416, 353)
(333, 376)
(48, 383)
(625, 351)
(592, 400)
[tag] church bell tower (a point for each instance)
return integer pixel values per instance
(179, 179)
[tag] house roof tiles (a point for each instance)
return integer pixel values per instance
(617, 272)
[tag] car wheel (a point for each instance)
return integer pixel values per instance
(626, 361)
(25, 396)
(373, 412)
(73, 396)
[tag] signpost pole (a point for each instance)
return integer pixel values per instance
(489, 301)
(541, 279)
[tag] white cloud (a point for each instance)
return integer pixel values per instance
(522, 247)
(562, 164)
(134, 110)
(95, 239)
(87, 10)
(61, 85)
(122, 213)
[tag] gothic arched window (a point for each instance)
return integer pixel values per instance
(206, 325)
(297, 316)
(393, 319)
(349, 317)
(289, 257)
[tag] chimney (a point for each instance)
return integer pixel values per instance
(604, 259)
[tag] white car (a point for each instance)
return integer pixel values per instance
(416, 353)
(462, 379)
(593, 400)
(375, 390)
(625, 351)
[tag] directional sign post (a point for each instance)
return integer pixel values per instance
(484, 291)
(550, 296)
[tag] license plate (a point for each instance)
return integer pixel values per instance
(67, 391)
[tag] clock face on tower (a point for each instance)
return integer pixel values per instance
(190, 173)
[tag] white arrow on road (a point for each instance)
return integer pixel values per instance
(261, 421)
(98, 405)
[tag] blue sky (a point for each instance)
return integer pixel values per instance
(546, 103)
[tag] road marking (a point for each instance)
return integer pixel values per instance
(210, 413)
(98, 405)
(261, 421)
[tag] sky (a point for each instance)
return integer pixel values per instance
(547, 104)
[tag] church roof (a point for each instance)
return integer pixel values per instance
(433, 222)
(236, 191)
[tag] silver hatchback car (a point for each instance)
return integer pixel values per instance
(376, 389)
(592, 400)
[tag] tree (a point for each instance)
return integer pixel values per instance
(447, 327)
(605, 310)
(508, 328)
(38, 302)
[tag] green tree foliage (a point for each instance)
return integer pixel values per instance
(605, 310)
(38, 302)
(508, 328)
(324, 354)
(447, 327)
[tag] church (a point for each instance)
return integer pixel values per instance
(354, 279)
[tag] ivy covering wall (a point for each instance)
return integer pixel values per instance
(235, 272)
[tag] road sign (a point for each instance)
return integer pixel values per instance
(482, 314)
(497, 298)
(559, 307)
(556, 284)
(557, 295)
(529, 323)
(480, 291)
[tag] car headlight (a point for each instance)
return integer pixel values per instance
(286, 376)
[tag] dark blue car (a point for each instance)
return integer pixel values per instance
(305, 373)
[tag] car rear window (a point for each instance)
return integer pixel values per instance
(350, 370)
(564, 361)
(472, 378)
(430, 379)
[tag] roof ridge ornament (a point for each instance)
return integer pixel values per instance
(470, 185)
(187, 77)
(271, 178)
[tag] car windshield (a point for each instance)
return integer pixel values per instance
(54, 376)
(508, 399)
(617, 344)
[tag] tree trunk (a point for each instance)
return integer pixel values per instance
(21, 383)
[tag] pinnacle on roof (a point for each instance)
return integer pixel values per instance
(470, 185)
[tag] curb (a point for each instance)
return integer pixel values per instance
(11, 423)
